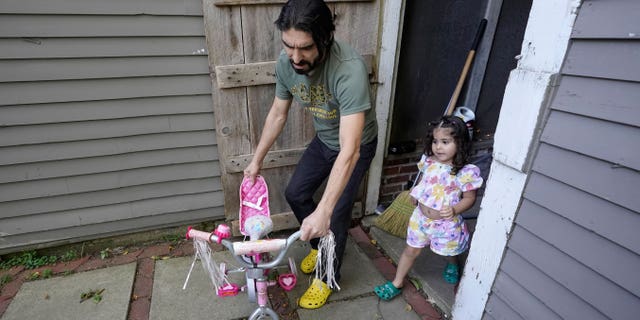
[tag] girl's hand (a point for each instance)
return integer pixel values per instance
(447, 212)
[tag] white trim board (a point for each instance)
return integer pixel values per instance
(392, 17)
(544, 47)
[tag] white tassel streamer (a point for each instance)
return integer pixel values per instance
(203, 251)
(326, 259)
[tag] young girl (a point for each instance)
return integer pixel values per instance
(447, 187)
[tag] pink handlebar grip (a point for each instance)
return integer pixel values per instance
(193, 233)
(258, 246)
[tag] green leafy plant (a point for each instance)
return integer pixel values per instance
(69, 255)
(95, 295)
(29, 259)
(47, 273)
(105, 253)
(6, 278)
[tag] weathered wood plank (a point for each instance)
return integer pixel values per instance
(93, 68)
(551, 293)
(608, 19)
(579, 279)
(248, 2)
(604, 59)
(21, 26)
(579, 243)
(58, 132)
(599, 178)
(108, 197)
(354, 23)
(599, 98)
(130, 7)
(620, 225)
(105, 109)
(251, 74)
(15, 93)
(88, 232)
(104, 147)
(106, 181)
(122, 162)
(258, 73)
(37, 48)
(276, 158)
(281, 221)
(592, 137)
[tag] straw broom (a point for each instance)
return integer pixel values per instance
(395, 219)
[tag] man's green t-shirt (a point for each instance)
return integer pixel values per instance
(337, 87)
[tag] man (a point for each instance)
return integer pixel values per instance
(330, 80)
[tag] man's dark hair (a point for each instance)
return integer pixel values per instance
(312, 16)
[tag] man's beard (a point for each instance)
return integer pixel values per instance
(303, 71)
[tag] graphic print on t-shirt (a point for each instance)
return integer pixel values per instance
(316, 99)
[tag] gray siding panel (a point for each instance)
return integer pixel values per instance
(106, 120)
(50, 26)
(14, 93)
(115, 212)
(74, 131)
(517, 296)
(621, 225)
(37, 48)
(498, 309)
(105, 181)
(608, 19)
(110, 196)
(103, 109)
(100, 68)
(616, 302)
(603, 59)
(82, 166)
(129, 7)
(594, 137)
(104, 147)
(552, 294)
(88, 232)
(599, 178)
(594, 252)
(575, 246)
(611, 100)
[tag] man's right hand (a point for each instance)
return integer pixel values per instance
(251, 171)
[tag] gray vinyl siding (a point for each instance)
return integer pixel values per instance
(106, 120)
(574, 252)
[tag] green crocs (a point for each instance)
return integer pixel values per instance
(387, 291)
(451, 273)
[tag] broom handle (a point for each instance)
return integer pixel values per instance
(465, 69)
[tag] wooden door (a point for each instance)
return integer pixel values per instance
(243, 44)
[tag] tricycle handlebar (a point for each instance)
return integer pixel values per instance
(241, 248)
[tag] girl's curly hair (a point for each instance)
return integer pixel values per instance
(460, 136)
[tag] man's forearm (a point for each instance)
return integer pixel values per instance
(338, 179)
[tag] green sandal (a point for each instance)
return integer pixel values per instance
(387, 291)
(451, 273)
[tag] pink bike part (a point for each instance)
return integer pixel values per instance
(197, 234)
(229, 290)
(254, 200)
(258, 246)
(287, 281)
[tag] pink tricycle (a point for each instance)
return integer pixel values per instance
(256, 262)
